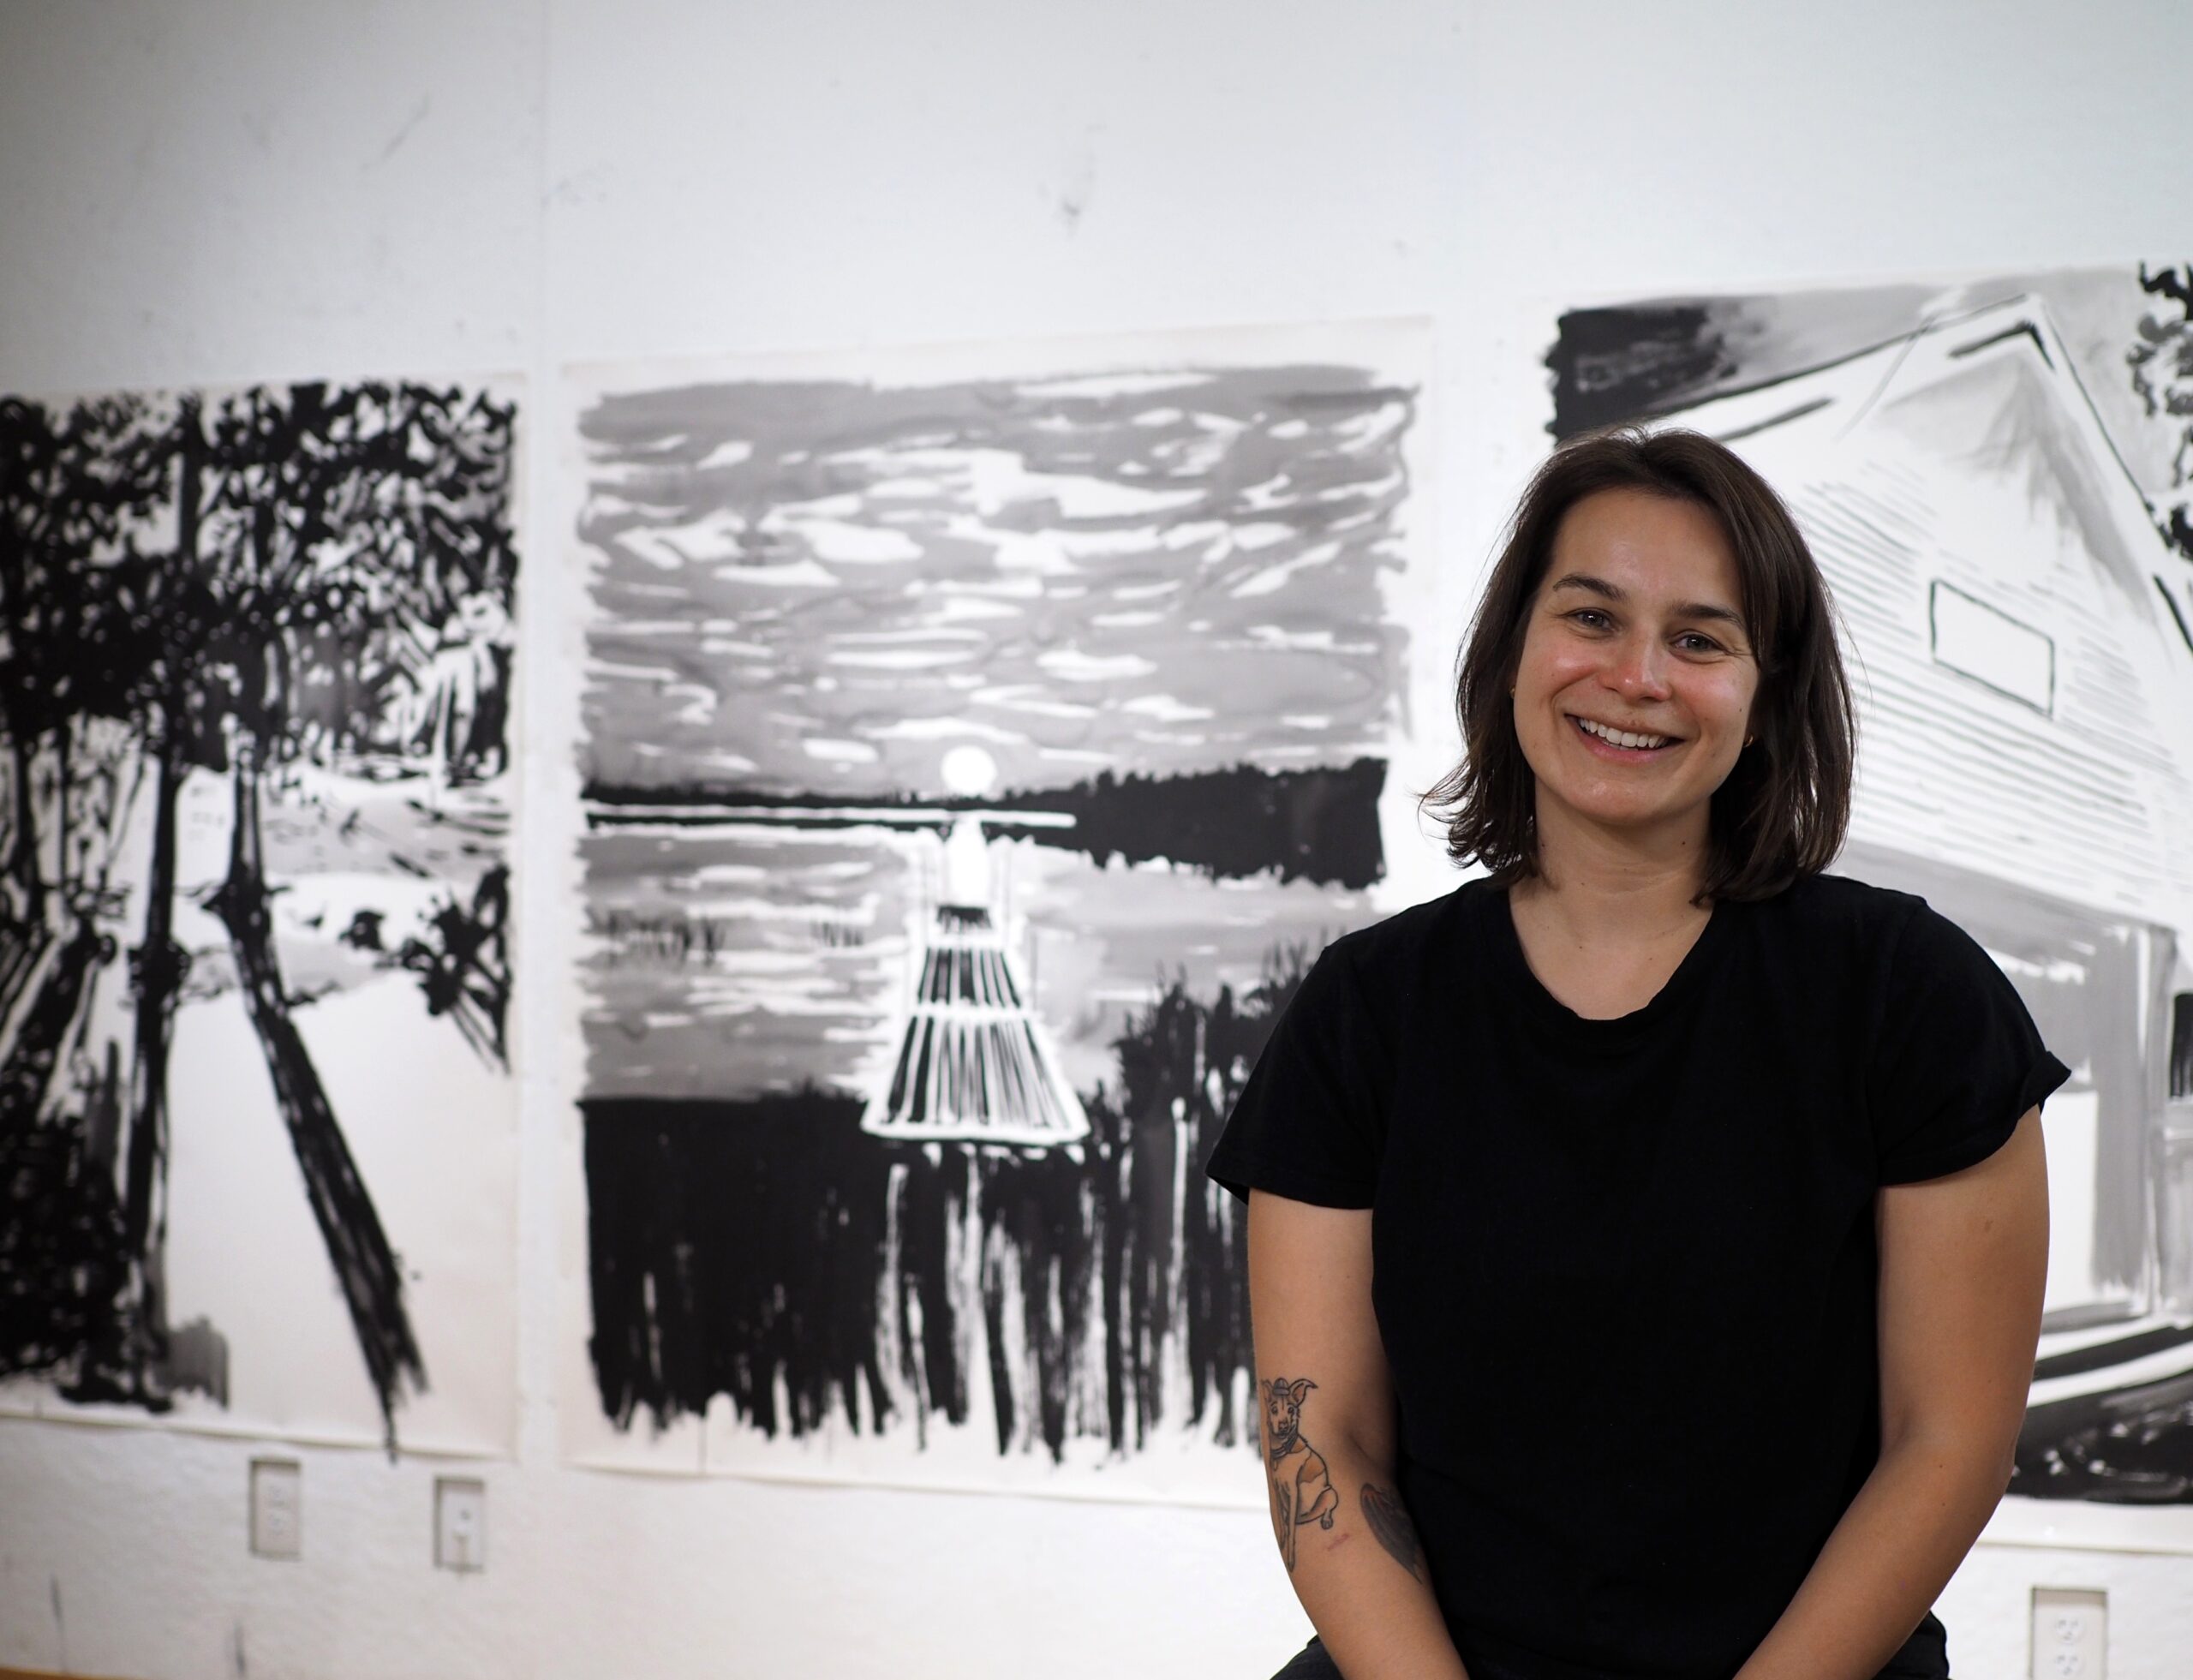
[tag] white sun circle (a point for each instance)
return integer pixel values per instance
(969, 771)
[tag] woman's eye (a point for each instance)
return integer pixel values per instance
(1590, 617)
(1692, 643)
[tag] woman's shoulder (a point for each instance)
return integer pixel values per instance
(1825, 904)
(1395, 943)
(1885, 938)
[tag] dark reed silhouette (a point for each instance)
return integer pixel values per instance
(768, 1247)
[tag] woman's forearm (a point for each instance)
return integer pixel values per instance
(1898, 1545)
(1353, 1557)
(1329, 1426)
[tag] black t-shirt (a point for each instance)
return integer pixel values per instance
(1625, 1269)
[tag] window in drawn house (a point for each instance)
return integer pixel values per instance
(1993, 647)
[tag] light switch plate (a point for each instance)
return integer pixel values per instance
(460, 1523)
(278, 1507)
(2070, 1633)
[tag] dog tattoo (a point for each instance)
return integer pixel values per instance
(1302, 1491)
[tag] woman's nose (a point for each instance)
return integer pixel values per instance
(1639, 670)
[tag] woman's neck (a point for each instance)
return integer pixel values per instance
(1604, 924)
(1621, 888)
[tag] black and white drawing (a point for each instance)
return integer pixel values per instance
(1996, 479)
(972, 763)
(255, 1120)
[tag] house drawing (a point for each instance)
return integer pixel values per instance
(2021, 646)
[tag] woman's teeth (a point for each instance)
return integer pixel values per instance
(1622, 738)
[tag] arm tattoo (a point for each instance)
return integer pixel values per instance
(1389, 1520)
(1302, 1491)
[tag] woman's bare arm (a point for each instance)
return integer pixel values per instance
(1328, 1410)
(1964, 1260)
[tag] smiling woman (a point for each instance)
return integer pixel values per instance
(1649, 1236)
(1634, 685)
(1680, 570)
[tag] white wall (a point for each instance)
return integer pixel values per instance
(225, 190)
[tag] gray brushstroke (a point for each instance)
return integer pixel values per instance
(1060, 576)
(2034, 436)
(198, 1360)
(396, 140)
(2098, 1023)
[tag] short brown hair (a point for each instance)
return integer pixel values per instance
(1783, 811)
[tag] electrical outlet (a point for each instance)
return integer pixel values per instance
(460, 1523)
(2070, 1633)
(278, 1496)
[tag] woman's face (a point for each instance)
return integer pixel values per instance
(1634, 687)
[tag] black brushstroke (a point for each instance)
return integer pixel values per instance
(27, 1068)
(1613, 364)
(2103, 1354)
(2161, 362)
(2175, 284)
(1318, 825)
(2178, 530)
(1687, 353)
(365, 1268)
(2131, 1446)
(2181, 1045)
(2024, 329)
(61, 1249)
(2170, 601)
(464, 970)
(729, 1244)
(157, 968)
(1314, 825)
(742, 1247)
(1773, 421)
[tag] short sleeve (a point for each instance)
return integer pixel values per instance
(1308, 1124)
(1958, 1060)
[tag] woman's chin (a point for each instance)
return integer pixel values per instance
(1638, 821)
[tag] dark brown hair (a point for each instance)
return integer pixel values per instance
(1783, 809)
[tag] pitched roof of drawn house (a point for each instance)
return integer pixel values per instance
(2016, 628)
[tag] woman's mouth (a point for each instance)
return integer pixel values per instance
(1620, 742)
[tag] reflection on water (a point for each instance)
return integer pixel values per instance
(745, 957)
